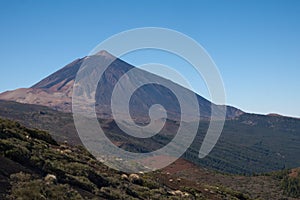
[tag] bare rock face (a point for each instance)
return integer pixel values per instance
(57, 100)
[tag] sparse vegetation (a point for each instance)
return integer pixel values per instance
(290, 182)
(30, 158)
(26, 187)
(249, 144)
(34, 166)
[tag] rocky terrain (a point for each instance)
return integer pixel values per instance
(34, 166)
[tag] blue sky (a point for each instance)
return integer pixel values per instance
(255, 44)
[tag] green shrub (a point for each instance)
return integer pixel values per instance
(42, 135)
(81, 182)
(6, 145)
(291, 186)
(25, 187)
(18, 153)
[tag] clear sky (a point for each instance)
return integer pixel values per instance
(255, 44)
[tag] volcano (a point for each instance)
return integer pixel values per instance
(55, 91)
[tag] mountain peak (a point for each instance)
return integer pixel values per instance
(56, 90)
(105, 54)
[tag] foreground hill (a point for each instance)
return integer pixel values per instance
(249, 144)
(34, 166)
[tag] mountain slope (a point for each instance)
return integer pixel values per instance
(248, 144)
(56, 91)
(34, 166)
